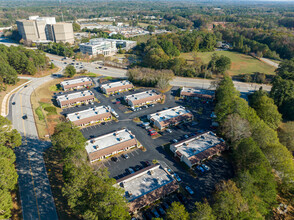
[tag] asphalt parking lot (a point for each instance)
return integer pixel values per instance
(202, 185)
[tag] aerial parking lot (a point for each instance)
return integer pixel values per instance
(194, 183)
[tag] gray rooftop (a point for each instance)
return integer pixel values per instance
(197, 91)
(75, 95)
(87, 113)
(108, 140)
(145, 182)
(169, 113)
(196, 145)
(141, 95)
(115, 84)
(75, 81)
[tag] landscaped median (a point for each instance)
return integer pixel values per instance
(46, 115)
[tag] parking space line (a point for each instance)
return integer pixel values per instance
(108, 163)
(131, 153)
(137, 152)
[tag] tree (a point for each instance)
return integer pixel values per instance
(203, 212)
(286, 135)
(5, 204)
(229, 203)
(8, 137)
(69, 71)
(223, 64)
(151, 28)
(177, 211)
(76, 27)
(286, 69)
(266, 109)
(234, 128)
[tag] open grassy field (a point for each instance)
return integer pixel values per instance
(44, 110)
(241, 63)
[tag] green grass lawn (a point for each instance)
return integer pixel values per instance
(241, 63)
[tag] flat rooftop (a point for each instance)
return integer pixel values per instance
(75, 95)
(75, 81)
(108, 140)
(197, 91)
(115, 84)
(198, 144)
(87, 113)
(169, 113)
(141, 95)
(144, 182)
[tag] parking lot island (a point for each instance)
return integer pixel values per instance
(90, 116)
(115, 87)
(76, 98)
(193, 93)
(170, 117)
(146, 186)
(110, 144)
(142, 98)
(78, 83)
(195, 150)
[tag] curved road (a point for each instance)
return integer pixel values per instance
(35, 192)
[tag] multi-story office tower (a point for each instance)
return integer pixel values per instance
(63, 32)
(45, 29)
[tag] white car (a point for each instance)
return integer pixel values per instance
(190, 191)
(169, 131)
(207, 168)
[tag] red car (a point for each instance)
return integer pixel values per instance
(153, 133)
(150, 130)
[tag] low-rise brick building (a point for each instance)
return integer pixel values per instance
(170, 117)
(76, 98)
(146, 186)
(195, 150)
(90, 116)
(78, 83)
(193, 93)
(115, 87)
(110, 144)
(143, 98)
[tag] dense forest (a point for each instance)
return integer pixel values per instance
(10, 139)
(18, 60)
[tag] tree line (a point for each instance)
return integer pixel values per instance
(263, 165)
(163, 51)
(9, 139)
(89, 193)
(18, 60)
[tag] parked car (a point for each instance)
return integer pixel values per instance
(169, 130)
(152, 133)
(125, 156)
(114, 159)
(176, 176)
(147, 128)
(138, 167)
(186, 136)
(131, 170)
(155, 213)
(205, 167)
(190, 191)
(174, 140)
(161, 210)
(147, 163)
(200, 168)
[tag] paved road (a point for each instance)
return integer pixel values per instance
(178, 81)
(35, 192)
(269, 62)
